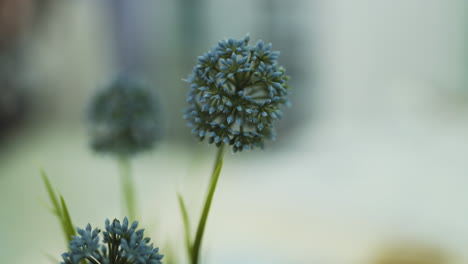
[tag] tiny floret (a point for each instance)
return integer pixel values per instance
(124, 117)
(121, 244)
(235, 94)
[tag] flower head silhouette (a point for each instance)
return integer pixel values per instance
(124, 117)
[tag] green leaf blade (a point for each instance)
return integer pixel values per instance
(185, 218)
(52, 196)
(66, 220)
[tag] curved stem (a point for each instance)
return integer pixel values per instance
(195, 256)
(128, 189)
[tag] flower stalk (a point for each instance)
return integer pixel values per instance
(194, 248)
(207, 206)
(128, 187)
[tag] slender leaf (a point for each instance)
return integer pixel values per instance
(57, 209)
(66, 220)
(185, 218)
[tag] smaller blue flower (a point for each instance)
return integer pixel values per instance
(121, 244)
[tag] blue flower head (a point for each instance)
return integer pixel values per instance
(124, 117)
(236, 92)
(121, 244)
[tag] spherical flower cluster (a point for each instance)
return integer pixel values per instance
(236, 92)
(125, 245)
(124, 117)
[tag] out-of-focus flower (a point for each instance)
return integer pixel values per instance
(411, 253)
(124, 117)
(122, 243)
(236, 92)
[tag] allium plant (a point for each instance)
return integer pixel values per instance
(236, 92)
(123, 121)
(121, 244)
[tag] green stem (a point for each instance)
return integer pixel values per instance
(128, 189)
(195, 256)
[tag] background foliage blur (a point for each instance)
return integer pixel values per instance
(373, 150)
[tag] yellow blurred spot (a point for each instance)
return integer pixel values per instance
(409, 253)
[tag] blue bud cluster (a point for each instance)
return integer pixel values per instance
(122, 244)
(236, 92)
(124, 117)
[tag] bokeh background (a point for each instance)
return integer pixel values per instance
(370, 165)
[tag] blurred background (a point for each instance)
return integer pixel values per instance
(370, 162)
